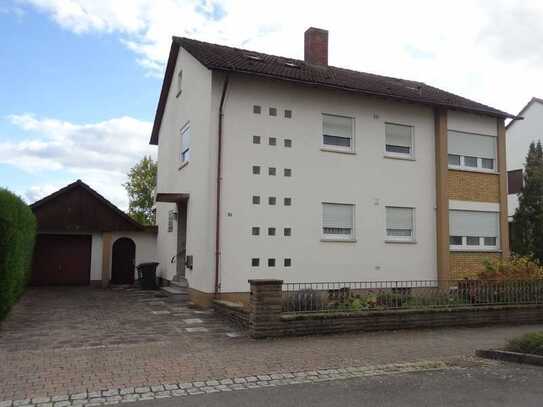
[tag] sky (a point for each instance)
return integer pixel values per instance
(80, 79)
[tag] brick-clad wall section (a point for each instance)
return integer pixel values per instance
(234, 312)
(468, 264)
(307, 324)
(473, 186)
(265, 308)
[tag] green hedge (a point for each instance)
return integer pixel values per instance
(17, 236)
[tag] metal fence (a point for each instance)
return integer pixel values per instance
(412, 294)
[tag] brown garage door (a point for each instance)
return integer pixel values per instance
(62, 260)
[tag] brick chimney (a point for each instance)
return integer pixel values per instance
(316, 46)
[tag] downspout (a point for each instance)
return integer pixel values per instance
(219, 179)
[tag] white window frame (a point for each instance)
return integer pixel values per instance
(481, 247)
(411, 154)
(401, 239)
(329, 237)
(338, 149)
(184, 150)
(479, 167)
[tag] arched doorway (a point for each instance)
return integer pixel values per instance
(123, 261)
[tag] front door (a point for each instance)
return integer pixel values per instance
(123, 261)
(181, 238)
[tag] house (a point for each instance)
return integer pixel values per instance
(270, 167)
(520, 133)
(83, 239)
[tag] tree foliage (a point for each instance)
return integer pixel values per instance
(140, 186)
(527, 227)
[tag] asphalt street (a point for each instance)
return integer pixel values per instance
(497, 385)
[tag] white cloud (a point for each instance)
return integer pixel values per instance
(488, 50)
(99, 153)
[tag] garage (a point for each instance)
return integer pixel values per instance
(83, 239)
(62, 260)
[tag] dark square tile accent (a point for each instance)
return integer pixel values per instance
(287, 201)
(288, 114)
(273, 111)
(255, 231)
(257, 109)
(271, 262)
(255, 262)
(272, 141)
(271, 171)
(272, 200)
(256, 199)
(256, 139)
(256, 169)
(287, 262)
(271, 231)
(287, 231)
(288, 143)
(287, 172)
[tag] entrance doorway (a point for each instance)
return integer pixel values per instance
(181, 239)
(123, 261)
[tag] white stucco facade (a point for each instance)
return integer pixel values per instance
(519, 136)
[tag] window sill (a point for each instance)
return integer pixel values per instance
(337, 150)
(183, 165)
(477, 170)
(474, 250)
(330, 239)
(399, 157)
(401, 241)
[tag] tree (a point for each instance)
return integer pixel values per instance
(527, 228)
(140, 186)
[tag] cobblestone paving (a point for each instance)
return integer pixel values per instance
(73, 341)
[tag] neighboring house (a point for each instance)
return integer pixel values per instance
(520, 133)
(83, 239)
(270, 167)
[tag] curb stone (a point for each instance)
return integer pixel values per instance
(130, 394)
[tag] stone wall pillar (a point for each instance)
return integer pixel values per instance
(265, 308)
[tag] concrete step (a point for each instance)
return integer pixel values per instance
(176, 294)
(182, 283)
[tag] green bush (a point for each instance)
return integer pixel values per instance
(17, 235)
(528, 343)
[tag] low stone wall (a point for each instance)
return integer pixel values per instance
(232, 311)
(266, 318)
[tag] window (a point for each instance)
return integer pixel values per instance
(288, 114)
(256, 139)
(287, 172)
(256, 199)
(272, 141)
(271, 231)
(287, 201)
(471, 151)
(473, 230)
(185, 143)
(271, 262)
(400, 224)
(255, 231)
(256, 169)
(257, 109)
(179, 82)
(272, 200)
(271, 171)
(287, 262)
(255, 262)
(170, 221)
(287, 231)
(288, 143)
(398, 140)
(273, 111)
(337, 221)
(337, 132)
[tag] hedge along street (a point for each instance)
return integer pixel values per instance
(17, 235)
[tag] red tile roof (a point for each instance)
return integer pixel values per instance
(229, 59)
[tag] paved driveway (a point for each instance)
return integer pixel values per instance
(65, 341)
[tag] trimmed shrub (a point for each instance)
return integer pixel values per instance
(528, 343)
(17, 236)
(512, 268)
